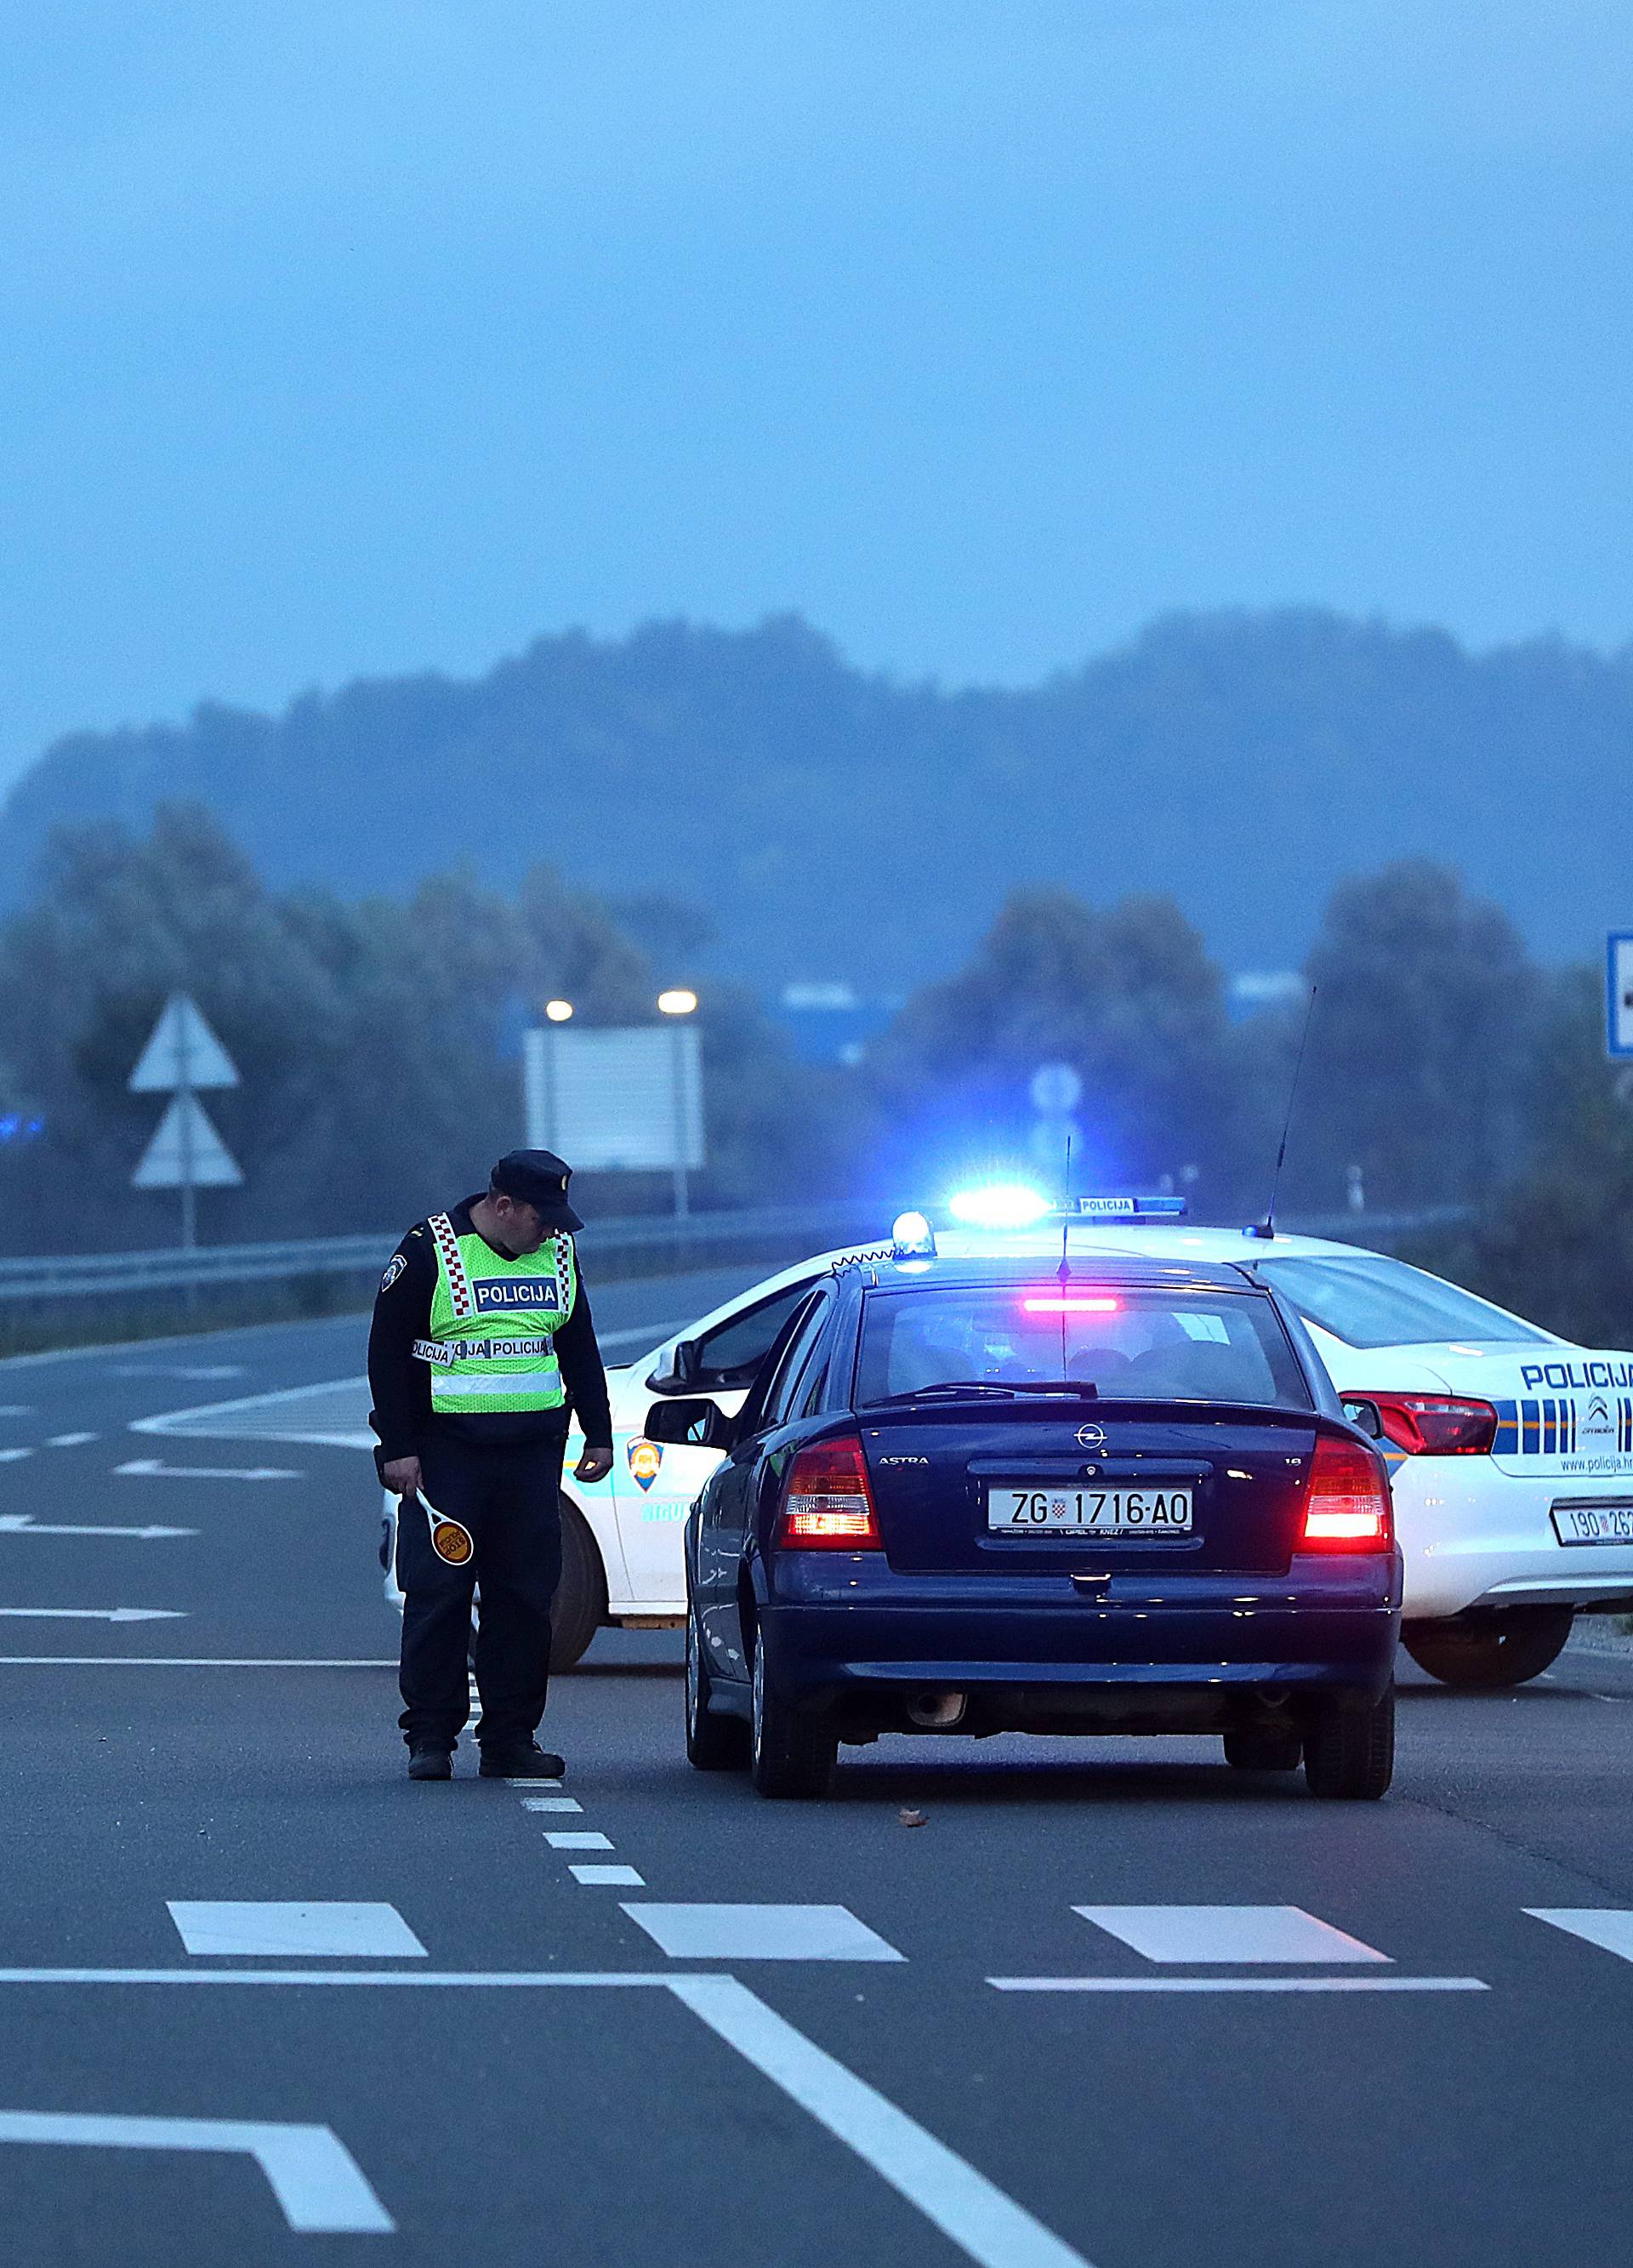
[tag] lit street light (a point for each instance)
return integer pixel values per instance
(559, 1012)
(679, 1002)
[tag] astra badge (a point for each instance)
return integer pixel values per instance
(1091, 1437)
(645, 1457)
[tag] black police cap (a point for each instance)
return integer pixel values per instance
(538, 1178)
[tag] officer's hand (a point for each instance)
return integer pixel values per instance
(403, 1475)
(595, 1465)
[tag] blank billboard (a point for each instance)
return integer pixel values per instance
(616, 1101)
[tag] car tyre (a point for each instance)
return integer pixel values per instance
(1349, 1753)
(712, 1743)
(793, 1751)
(1493, 1649)
(580, 1607)
(1263, 1748)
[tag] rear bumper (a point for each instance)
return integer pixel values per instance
(1232, 1649)
(1473, 1535)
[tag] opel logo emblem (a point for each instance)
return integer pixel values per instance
(1091, 1437)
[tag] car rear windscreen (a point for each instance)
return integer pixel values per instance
(1142, 1345)
(1370, 1301)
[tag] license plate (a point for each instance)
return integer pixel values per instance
(1593, 1523)
(1088, 1511)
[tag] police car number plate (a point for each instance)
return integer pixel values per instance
(1089, 1510)
(1593, 1523)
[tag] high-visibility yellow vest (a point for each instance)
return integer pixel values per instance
(493, 1323)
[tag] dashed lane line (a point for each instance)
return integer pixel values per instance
(579, 1838)
(551, 1803)
(699, 1931)
(1219, 1935)
(339, 1927)
(70, 1441)
(609, 1878)
(1608, 1927)
(1238, 1984)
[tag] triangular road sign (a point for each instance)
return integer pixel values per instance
(183, 1051)
(187, 1150)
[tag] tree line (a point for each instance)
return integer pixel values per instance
(378, 1042)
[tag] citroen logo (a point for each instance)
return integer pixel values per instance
(1091, 1437)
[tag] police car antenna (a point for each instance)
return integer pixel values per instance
(1267, 1226)
(1065, 1271)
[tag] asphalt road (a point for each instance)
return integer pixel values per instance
(478, 2057)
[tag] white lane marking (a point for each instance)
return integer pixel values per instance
(97, 1614)
(614, 1878)
(70, 1441)
(1238, 1984)
(1225, 1934)
(1608, 1927)
(268, 1925)
(312, 2174)
(551, 1803)
(962, 2204)
(761, 1933)
(525, 1783)
(341, 1424)
(151, 1468)
(179, 1370)
(14, 1456)
(180, 1661)
(17, 1409)
(23, 1523)
(579, 1838)
(449, 1979)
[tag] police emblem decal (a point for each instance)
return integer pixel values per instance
(646, 1459)
(399, 1262)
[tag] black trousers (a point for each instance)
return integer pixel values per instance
(510, 1499)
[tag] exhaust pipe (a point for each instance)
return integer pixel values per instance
(936, 1713)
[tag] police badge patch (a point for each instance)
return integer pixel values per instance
(400, 1261)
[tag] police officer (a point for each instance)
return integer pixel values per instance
(480, 1343)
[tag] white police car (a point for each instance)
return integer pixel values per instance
(1510, 1449)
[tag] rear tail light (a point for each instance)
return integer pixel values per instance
(1426, 1424)
(829, 1505)
(1346, 1506)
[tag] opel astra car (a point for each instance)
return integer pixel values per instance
(981, 1496)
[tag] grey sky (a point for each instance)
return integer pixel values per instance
(360, 338)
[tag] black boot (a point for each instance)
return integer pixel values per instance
(430, 1760)
(520, 1760)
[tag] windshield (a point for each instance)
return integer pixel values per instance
(1369, 1301)
(1126, 1345)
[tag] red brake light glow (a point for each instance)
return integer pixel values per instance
(1433, 1424)
(829, 1505)
(1346, 1505)
(1068, 1303)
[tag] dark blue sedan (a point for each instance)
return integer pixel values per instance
(986, 1495)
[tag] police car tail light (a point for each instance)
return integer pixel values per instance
(1429, 1425)
(1346, 1506)
(829, 1505)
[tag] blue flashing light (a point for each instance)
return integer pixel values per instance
(1001, 1204)
(912, 1238)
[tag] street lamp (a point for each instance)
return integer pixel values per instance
(678, 1003)
(559, 1012)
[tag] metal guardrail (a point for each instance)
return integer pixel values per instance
(663, 1242)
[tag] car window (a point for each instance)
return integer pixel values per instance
(731, 1353)
(777, 1401)
(806, 1397)
(1370, 1301)
(1129, 1345)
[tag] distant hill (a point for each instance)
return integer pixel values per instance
(837, 824)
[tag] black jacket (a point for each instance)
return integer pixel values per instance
(402, 1384)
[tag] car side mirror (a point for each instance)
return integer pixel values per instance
(693, 1424)
(683, 1372)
